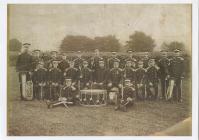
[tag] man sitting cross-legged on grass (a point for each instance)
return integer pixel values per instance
(127, 96)
(68, 95)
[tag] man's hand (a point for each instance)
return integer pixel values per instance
(129, 99)
(73, 88)
(87, 84)
(120, 85)
(109, 84)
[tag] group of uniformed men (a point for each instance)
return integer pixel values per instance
(134, 78)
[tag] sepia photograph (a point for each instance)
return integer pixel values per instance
(99, 69)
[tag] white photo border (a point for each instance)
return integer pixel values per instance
(3, 70)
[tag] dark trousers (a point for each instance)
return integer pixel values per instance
(21, 92)
(164, 86)
(177, 92)
(149, 92)
(140, 93)
(39, 92)
(52, 93)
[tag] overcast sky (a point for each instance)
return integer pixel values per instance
(45, 26)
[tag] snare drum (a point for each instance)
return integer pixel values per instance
(93, 97)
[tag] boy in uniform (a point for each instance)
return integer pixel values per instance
(85, 76)
(72, 73)
(152, 80)
(177, 74)
(39, 81)
(54, 80)
(64, 64)
(163, 64)
(69, 91)
(127, 96)
(140, 81)
(100, 76)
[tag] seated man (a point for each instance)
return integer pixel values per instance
(100, 76)
(85, 76)
(152, 80)
(71, 73)
(114, 82)
(67, 95)
(69, 91)
(39, 78)
(140, 81)
(127, 96)
(55, 78)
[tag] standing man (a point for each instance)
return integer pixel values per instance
(140, 81)
(177, 73)
(145, 60)
(36, 58)
(94, 64)
(112, 60)
(78, 61)
(64, 64)
(39, 80)
(128, 71)
(72, 73)
(100, 76)
(130, 56)
(24, 65)
(85, 76)
(49, 63)
(152, 80)
(115, 76)
(163, 64)
(54, 79)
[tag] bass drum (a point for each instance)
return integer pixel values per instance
(93, 97)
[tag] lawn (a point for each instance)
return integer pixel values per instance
(32, 118)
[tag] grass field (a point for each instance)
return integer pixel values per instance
(32, 118)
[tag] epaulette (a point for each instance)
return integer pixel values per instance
(66, 69)
(181, 58)
(136, 69)
(89, 69)
(44, 69)
(133, 69)
(35, 70)
(156, 66)
(50, 69)
(112, 69)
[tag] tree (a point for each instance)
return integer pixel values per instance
(75, 43)
(107, 43)
(84, 43)
(140, 42)
(173, 45)
(14, 45)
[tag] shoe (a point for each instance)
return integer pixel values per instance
(180, 101)
(124, 109)
(116, 108)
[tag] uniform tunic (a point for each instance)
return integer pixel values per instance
(176, 71)
(63, 65)
(115, 76)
